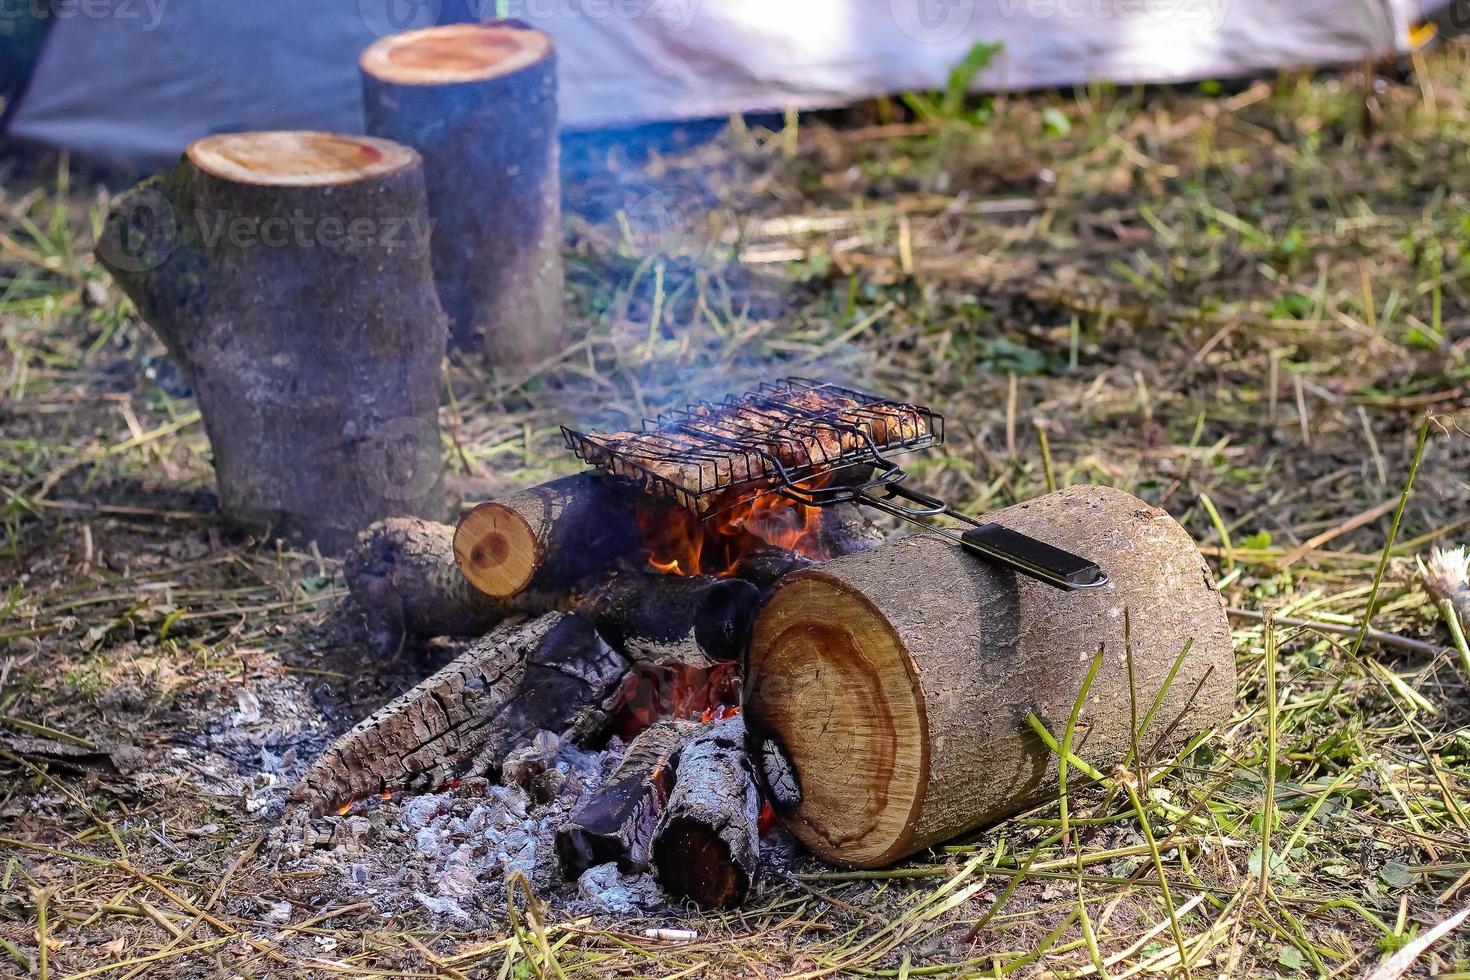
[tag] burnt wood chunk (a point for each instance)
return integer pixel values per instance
(617, 822)
(707, 845)
(548, 537)
(657, 618)
(553, 673)
(764, 567)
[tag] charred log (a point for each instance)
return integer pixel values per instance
(617, 822)
(548, 537)
(656, 618)
(553, 673)
(764, 567)
(707, 844)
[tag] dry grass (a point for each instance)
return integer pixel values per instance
(1246, 308)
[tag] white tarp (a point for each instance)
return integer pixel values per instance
(133, 81)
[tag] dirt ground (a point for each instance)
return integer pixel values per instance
(1247, 305)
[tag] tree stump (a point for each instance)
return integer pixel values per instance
(479, 102)
(887, 692)
(288, 274)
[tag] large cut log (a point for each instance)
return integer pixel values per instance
(617, 822)
(548, 537)
(479, 102)
(656, 618)
(553, 673)
(707, 844)
(887, 692)
(288, 274)
(404, 582)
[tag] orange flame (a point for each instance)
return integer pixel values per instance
(678, 542)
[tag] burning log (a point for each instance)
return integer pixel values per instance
(689, 619)
(547, 537)
(288, 274)
(764, 567)
(404, 580)
(617, 822)
(479, 102)
(707, 845)
(888, 692)
(553, 673)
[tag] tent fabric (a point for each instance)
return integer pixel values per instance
(131, 82)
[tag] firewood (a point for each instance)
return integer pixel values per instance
(547, 537)
(404, 581)
(707, 845)
(655, 618)
(896, 684)
(764, 567)
(553, 673)
(288, 274)
(479, 102)
(617, 822)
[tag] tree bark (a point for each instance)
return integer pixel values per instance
(553, 673)
(896, 683)
(617, 822)
(288, 274)
(479, 102)
(707, 846)
(548, 537)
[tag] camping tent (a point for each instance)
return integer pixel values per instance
(133, 81)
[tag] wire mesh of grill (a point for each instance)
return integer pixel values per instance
(779, 436)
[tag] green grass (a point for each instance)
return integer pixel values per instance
(1244, 308)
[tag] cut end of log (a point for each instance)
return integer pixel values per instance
(454, 53)
(830, 680)
(297, 158)
(496, 550)
(694, 862)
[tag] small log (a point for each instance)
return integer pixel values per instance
(887, 692)
(553, 673)
(479, 102)
(548, 537)
(404, 581)
(845, 529)
(288, 274)
(617, 822)
(766, 566)
(695, 620)
(707, 846)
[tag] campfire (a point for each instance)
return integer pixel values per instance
(710, 609)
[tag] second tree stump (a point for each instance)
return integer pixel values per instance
(479, 102)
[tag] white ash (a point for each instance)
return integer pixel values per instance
(451, 853)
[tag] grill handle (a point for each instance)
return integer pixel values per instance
(1012, 549)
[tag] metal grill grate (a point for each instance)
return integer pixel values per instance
(712, 455)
